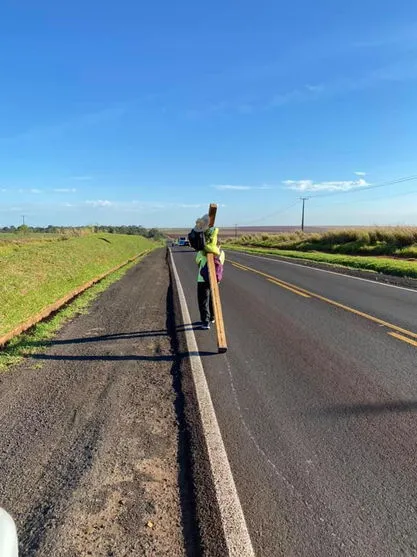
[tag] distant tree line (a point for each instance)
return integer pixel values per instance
(152, 233)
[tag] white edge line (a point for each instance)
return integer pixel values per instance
(233, 520)
(264, 257)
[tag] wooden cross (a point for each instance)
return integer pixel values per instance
(215, 293)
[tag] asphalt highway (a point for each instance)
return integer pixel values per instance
(316, 401)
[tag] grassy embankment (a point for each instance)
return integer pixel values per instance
(35, 272)
(392, 251)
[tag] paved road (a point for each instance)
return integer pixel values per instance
(317, 405)
(89, 444)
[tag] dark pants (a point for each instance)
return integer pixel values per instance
(205, 303)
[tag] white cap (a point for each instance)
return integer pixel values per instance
(202, 224)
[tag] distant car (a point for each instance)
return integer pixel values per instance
(183, 241)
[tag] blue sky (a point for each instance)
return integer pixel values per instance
(144, 112)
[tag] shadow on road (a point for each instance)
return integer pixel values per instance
(114, 358)
(346, 410)
(116, 336)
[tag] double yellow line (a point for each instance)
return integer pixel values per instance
(274, 280)
(397, 332)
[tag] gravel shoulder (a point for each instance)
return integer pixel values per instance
(91, 443)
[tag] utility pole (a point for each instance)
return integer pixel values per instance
(23, 220)
(303, 199)
(235, 230)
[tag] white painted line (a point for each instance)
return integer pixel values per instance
(233, 521)
(323, 270)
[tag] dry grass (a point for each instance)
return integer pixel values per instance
(390, 241)
(391, 250)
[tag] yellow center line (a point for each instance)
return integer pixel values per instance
(275, 281)
(334, 303)
(405, 339)
(238, 266)
(278, 283)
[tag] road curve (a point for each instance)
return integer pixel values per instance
(316, 401)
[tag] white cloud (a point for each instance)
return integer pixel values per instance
(99, 203)
(31, 190)
(309, 185)
(319, 88)
(64, 190)
(360, 173)
(224, 187)
(3, 190)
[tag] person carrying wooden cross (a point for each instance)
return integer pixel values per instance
(205, 302)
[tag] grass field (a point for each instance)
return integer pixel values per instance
(38, 338)
(391, 251)
(395, 241)
(36, 271)
(231, 232)
(11, 242)
(385, 265)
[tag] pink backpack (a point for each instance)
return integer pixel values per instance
(219, 270)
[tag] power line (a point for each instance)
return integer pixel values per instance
(330, 194)
(367, 200)
(274, 214)
(371, 187)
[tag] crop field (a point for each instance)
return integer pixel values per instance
(232, 232)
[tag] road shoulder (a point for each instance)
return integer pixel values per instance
(90, 442)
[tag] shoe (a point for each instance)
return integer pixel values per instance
(212, 321)
(205, 326)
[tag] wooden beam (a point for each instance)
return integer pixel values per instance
(215, 293)
(212, 214)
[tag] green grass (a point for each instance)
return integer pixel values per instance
(398, 242)
(39, 337)
(36, 273)
(10, 243)
(17, 238)
(385, 265)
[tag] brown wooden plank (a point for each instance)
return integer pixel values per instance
(212, 214)
(215, 293)
(217, 306)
